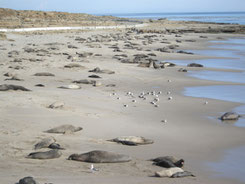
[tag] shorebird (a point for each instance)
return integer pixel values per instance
(118, 98)
(156, 105)
(164, 121)
(125, 105)
(159, 92)
(92, 168)
(169, 80)
(114, 94)
(170, 98)
(133, 100)
(206, 103)
(168, 92)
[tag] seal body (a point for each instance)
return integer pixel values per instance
(182, 174)
(7, 87)
(64, 129)
(169, 172)
(27, 180)
(132, 140)
(98, 156)
(45, 155)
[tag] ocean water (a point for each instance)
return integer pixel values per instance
(218, 17)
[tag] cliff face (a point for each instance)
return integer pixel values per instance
(27, 18)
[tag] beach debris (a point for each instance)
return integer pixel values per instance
(47, 74)
(98, 156)
(132, 140)
(27, 180)
(70, 86)
(230, 116)
(7, 87)
(63, 129)
(45, 155)
(194, 65)
(56, 105)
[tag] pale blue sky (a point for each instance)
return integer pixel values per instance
(126, 6)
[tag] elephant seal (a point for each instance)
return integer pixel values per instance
(46, 74)
(132, 140)
(44, 143)
(98, 70)
(55, 146)
(70, 86)
(84, 81)
(168, 162)
(169, 172)
(230, 116)
(64, 129)
(7, 87)
(45, 155)
(182, 174)
(98, 156)
(27, 180)
(56, 105)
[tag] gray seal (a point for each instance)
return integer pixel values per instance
(98, 156)
(45, 155)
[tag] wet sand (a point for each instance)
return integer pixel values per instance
(187, 134)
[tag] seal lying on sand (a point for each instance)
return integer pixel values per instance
(169, 172)
(45, 155)
(70, 86)
(98, 156)
(230, 116)
(98, 70)
(7, 87)
(168, 162)
(46, 74)
(49, 142)
(27, 180)
(174, 172)
(132, 140)
(182, 174)
(64, 129)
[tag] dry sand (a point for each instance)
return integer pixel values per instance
(188, 132)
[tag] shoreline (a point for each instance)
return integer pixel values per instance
(108, 111)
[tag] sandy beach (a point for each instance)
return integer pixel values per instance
(106, 111)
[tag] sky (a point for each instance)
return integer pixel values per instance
(126, 6)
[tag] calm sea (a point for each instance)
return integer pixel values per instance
(218, 17)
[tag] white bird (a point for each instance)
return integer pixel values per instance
(159, 92)
(119, 98)
(206, 103)
(92, 168)
(156, 105)
(114, 94)
(164, 121)
(133, 100)
(168, 92)
(125, 105)
(169, 81)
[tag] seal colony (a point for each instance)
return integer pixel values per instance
(85, 89)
